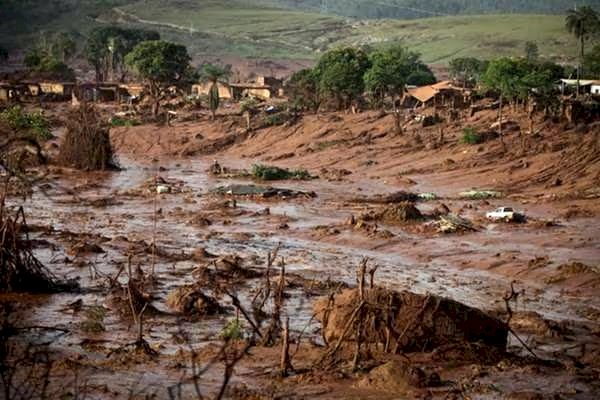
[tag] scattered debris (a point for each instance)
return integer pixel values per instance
(190, 300)
(397, 197)
(266, 192)
(480, 194)
(451, 223)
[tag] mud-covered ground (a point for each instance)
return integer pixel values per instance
(86, 226)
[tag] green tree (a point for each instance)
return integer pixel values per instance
(213, 74)
(341, 74)
(389, 71)
(592, 62)
(46, 65)
(160, 64)
(303, 89)
(532, 51)
(467, 70)
(63, 46)
(421, 76)
(521, 80)
(107, 47)
(502, 76)
(582, 22)
(3, 55)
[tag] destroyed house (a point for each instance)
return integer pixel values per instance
(59, 89)
(96, 92)
(439, 94)
(202, 89)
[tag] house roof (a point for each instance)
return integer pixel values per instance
(582, 82)
(426, 93)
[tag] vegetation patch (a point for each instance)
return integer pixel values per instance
(126, 122)
(272, 173)
(471, 136)
(34, 123)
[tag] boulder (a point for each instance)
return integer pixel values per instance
(189, 300)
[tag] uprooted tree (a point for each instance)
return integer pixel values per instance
(161, 65)
(86, 145)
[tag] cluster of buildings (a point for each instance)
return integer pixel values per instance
(263, 88)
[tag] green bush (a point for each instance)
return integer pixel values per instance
(19, 120)
(276, 119)
(118, 121)
(471, 136)
(271, 173)
(233, 330)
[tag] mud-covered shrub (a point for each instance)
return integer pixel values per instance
(272, 173)
(86, 145)
(471, 136)
(34, 123)
(20, 270)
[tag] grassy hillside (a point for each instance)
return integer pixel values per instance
(293, 34)
(241, 28)
(410, 9)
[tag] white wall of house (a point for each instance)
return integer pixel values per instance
(596, 89)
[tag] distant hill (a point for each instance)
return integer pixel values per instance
(410, 9)
(295, 29)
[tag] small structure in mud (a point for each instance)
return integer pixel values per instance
(96, 92)
(60, 90)
(438, 94)
(262, 88)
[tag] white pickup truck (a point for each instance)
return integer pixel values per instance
(507, 214)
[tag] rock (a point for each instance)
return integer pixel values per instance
(83, 248)
(533, 323)
(418, 322)
(398, 377)
(189, 300)
(401, 213)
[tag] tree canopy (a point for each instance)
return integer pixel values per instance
(341, 72)
(160, 64)
(389, 71)
(467, 69)
(107, 47)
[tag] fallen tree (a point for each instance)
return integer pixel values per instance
(405, 321)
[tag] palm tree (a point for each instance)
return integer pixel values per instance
(582, 23)
(213, 74)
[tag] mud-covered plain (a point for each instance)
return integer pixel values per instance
(91, 227)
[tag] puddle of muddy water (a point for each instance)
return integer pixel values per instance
(250, 237)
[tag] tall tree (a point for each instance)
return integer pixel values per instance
(389, 71)
(214, 74)
(303, 89)
(107, 47)
(467, 70)
(160, 64)
(582, 22)
(592, 62)
(341, 74)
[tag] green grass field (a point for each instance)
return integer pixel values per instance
(241, 28)
(295, 34)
